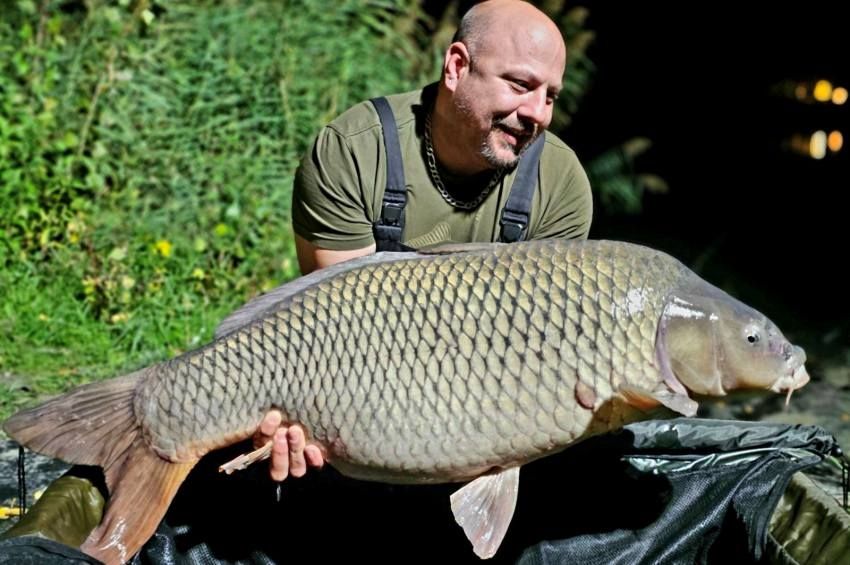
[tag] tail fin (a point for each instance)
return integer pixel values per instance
(92, 425)
(96, 425)
(138, 500)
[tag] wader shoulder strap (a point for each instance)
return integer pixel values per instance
(517, 211)
(389, 227)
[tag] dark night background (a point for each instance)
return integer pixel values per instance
(698, 79)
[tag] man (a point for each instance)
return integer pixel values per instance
(460, 140)
(462, 143)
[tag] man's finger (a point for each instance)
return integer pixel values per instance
(313, 455)
(271, 422)
(267, 428)
(279, 467)
(297, 465)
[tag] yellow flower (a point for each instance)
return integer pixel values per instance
(119, 317)
(198, 273)
(90, 285)
(43, 317)
(163, 247)
(74, 229)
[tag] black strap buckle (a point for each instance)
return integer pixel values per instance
(513, 225)
(512, 232)
(391, 213)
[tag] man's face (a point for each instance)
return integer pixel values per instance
(506, 97)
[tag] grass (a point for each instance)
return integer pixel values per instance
(147, 151)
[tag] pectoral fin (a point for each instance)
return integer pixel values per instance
(484, 509)
(643, 399)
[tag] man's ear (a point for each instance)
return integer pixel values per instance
(455, 65)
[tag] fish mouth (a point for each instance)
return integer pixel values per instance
(797, 379)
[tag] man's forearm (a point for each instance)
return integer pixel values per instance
(311, 257)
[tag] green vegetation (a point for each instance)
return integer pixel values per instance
(147, 151)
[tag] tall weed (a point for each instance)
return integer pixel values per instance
(147, 151)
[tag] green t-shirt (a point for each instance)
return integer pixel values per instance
(339, 186)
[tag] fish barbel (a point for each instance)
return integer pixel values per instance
(455, 365)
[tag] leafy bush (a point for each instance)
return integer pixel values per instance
(147, 151)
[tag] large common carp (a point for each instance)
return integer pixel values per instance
(452, 366)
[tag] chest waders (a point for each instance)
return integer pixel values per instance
(390, 226)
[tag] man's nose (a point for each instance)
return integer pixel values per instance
(535, 108)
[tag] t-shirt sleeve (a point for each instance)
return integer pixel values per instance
(567, 200)
(328, 205)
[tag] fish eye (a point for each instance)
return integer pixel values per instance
(752, 332)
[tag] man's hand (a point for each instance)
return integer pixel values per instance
(291, 455)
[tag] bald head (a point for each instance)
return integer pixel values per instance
(489, 24)
(500, 79)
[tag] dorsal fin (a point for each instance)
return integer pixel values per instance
(270, 301)
(449, 248)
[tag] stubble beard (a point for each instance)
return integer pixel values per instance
(490, 145)
(500, 161)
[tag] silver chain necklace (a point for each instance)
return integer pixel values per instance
(438, 182)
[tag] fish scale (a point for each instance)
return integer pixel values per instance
(337, 357)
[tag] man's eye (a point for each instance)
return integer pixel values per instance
(519, 85)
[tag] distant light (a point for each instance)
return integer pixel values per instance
(835, 141)
(839, 95)
(800, 92)
(823, 91)
(817, 145)
(799, 144)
